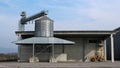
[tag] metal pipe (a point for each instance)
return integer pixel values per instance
(24, 20)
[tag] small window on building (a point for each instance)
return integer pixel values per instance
(94, 41)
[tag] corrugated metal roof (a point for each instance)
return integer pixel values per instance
(43, 40)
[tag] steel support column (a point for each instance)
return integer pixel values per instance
(33, 50)
(53, 51)
(105, 56)
(112, 48)
(53, 55)
(19, 49)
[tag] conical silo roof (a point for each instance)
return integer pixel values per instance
(44, 40)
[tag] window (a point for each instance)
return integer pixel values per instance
(94, 41)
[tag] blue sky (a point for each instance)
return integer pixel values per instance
(67, 15)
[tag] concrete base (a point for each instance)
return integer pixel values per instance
(59, 58)
(34, 60)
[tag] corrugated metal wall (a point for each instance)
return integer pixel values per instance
(116, 47)
(25, 52)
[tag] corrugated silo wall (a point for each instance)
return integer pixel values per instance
(116, 47)
(43, 29)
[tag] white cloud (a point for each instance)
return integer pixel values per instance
(103, 11)
(104, 15)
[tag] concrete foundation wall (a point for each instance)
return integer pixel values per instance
(90, 49)
(75, 52)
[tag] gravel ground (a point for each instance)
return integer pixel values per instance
(61, 65)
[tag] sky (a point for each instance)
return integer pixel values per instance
(67, 15)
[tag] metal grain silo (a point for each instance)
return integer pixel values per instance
(43, 39)
(44, 27)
